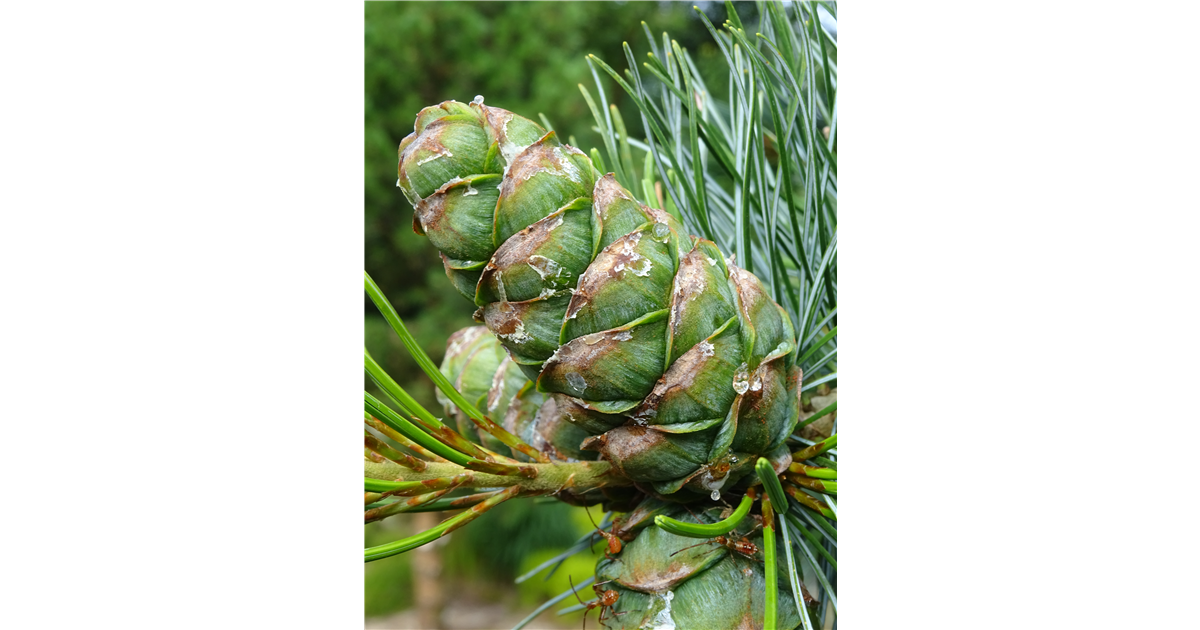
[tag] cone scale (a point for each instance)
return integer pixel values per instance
(663, 357)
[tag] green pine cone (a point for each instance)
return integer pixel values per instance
(676, 363)
(668, 581)
(477, 365)
(470, 363)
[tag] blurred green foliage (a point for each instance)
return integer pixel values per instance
(527, 57)
(387, 585)
(496, 548)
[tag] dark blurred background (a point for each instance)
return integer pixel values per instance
(527, 57)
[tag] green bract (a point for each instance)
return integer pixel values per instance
(649, 346)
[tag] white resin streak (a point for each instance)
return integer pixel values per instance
(663, 620)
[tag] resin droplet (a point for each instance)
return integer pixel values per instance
(663, 620)
(644, 271)
(741, 379)
(576, 382)
(502, 292)
(545, 267)
(518, 334)
(478, 99)
(712, 484)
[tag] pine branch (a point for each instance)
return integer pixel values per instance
(547, 479)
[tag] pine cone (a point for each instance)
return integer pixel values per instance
(476, 364)
(478, 367)
(668, 581)
(674, 360)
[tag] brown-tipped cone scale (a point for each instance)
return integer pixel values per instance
(676, 363)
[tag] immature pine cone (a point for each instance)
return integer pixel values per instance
(676, 361)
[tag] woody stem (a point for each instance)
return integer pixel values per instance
(549, 478)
